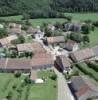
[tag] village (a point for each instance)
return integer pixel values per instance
(65, 57)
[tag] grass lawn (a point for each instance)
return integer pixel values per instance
(83, 16)
(36, 22)
(94, 38)
(12, 18)
(28, 92)
(44, 91)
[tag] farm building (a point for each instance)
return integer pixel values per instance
(42, 61)
(55, 40)
(12, 65)
(34, 47)
(7, 40)
(81, 55)
(64, 63)
(81, 90)
(71, 45)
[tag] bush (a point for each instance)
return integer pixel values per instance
(27, 80)
(53, 77)
(17, 74)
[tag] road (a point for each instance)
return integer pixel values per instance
(64, 92)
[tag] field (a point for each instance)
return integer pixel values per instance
(83, 16)
(28, 92)
(94, 37)
(12, 18)
(34, 22)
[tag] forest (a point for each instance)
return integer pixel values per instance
(45, 8)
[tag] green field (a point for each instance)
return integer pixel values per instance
(83, 16)
(44, 91)
(28, 92)
(12, 18)
(94, 38)
(36, 22)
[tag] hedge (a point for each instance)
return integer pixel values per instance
(85, 69)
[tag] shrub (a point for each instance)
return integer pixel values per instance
(17, 74)
(53, 77)
(27, 80)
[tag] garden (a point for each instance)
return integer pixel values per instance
(19, 87)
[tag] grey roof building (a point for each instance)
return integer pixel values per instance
(81, 89)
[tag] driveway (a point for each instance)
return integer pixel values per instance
(64, 92)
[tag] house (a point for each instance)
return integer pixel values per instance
(7, 40)
(25, 47)
(51, 27)
(34, 47)
(76, 27)
(12, 65)
(81, 55)
(14, 31)
(81, 90)
(36, 33)
(55, 40)
(38, 48)
(31, 30)
(14, 28)
(14, 25)
(64, 63)
(42, 61)
(71, 45)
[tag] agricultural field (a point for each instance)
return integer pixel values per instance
(11, 85)
(83, 16)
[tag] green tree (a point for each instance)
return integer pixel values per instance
(86, 39)
(3, 33)
(76, 37)
(85, 29)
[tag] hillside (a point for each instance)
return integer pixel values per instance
(45, 8)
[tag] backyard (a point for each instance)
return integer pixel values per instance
(10, 85)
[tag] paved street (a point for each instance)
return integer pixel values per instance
(63, 90)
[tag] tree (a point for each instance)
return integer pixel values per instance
(76, 37)
(27, 80)
(21, 39)
(53, 77)
(17, 74)
(3, 33)
(85, 29)
(48, 32)
(86, 39)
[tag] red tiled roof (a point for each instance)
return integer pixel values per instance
(57, 39)
(41, 60)
(82, 54)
